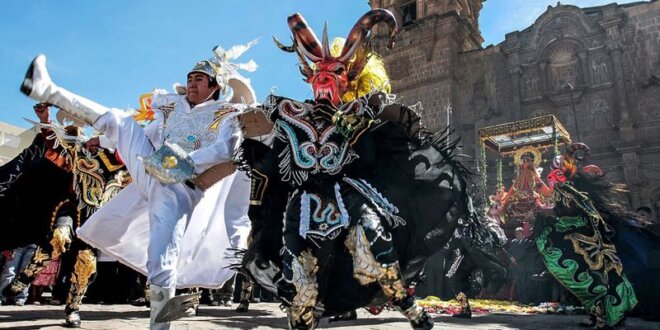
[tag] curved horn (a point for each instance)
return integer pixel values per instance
(305, 69)
(593, 171)
(288, 49)
(306, 40)
(326, 44)
(362, 28)
(573, 149)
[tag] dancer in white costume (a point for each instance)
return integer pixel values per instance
(173, 222)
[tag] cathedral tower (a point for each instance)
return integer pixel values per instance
(422, 67)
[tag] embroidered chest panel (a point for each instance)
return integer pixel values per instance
(195, 129)
(322, 217)
(314, 143)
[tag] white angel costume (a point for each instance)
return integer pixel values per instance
(191, 231)
(176, 233)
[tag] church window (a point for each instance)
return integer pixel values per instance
(409, 13)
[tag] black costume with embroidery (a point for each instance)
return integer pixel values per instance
(353, 191)
(474, 266)
(31, 187)
(72, 184)
(576, 238)
(339, 189)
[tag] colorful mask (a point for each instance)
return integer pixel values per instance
(566, 166)
(330, 76)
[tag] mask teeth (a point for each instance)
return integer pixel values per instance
(322, 93)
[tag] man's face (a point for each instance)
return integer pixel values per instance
(644, 214)
(198, 88)
(519, 234)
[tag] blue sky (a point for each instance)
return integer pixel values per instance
(114, 51)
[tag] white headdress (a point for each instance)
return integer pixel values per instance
(227, 73)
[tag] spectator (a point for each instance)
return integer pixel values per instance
(645, 212)
(520, 256)
(17, 260)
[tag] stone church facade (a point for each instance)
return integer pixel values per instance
(601, 63)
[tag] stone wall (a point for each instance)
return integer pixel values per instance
(601, 63)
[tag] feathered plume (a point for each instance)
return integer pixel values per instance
(223, 57)
(234, 52)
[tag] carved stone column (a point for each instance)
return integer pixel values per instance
(479, 122)
(612, 25)
(583, 62)
(516, 109)
(619, 84)
(511, 51)
(630, 162)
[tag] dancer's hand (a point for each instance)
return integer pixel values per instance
(60, 241)
(43, 112)
(348, 123)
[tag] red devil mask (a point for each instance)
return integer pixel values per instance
(330, 76)
(566, 166)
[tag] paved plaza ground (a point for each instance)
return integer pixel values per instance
(268, 316)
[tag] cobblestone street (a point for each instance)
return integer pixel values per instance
(268, 316)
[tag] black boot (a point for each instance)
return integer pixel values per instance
(139, 302)
(466, 311)
(13, 289)
(588, 323)
(418, 317)
(243, 307)
(424, 322)
(348, 316)
(72, 319)
(301, 318)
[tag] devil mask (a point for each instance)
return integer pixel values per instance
(330, 76)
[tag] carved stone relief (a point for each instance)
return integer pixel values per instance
(631, 167)
(600, 71)
(564, 65)
(599, 114)
(651, 173)
(562, 75)
(531, 83)
(649, 109)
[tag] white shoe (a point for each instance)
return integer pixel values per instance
(37, 80)
(159, 297)
(38, 85)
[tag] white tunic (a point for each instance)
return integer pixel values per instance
(217, 218)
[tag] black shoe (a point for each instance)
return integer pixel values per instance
(588, 323)
(243, 307)
(466, 313)
(72, 320)
(139, 302)
(11, 291)
(348, 316)
(603, 326)
(423, 322)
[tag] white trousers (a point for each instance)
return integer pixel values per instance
(169, 206)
